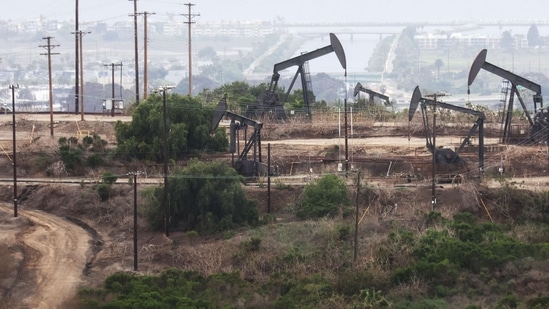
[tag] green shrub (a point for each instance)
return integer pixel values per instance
(95, 160)
(508, 301)
(371, 299)
(104, 190)
(206, 197)
(323, 197)
(307, 293)
(87, 140)
(42, 161)
(172, 288)
(252, 245)
(109, 178)
(71, 157)
(539, 302)
(445, 257)
(351, 282)
(425, 303)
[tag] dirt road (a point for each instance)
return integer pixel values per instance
(55, 256)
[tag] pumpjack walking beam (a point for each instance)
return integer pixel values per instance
(268, 101)
(515, 80)
(238, 122)
(372, 94)
(479, 124)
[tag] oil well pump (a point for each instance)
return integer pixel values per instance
(447, 156)
(270, 104)
(243, 164)
(372, 95)
(539, 123)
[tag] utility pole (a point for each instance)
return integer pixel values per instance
(163, 90)
(355, 253)
(81, 75)
(136, 44)
(135, 174)
(49, 47)
(12, 88)
(145, 57)
(346, 130)
(433, 174)
(113, 65)
(190, 22)
(76, 62)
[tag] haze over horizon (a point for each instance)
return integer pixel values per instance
(283, 10)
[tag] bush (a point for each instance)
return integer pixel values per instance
(172, 288)
(538, 302)
(71, 157)
(109, 178)
(95, 160)
(307, 293)
(104, 190)
(205, 197)
(324, 197)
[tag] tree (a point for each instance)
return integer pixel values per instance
(533, 36)
(438, 64)
(207, 198)
(323, 197)
(189, 125)
(507, 40)
(208, 52)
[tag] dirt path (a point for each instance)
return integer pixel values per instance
(55, 257)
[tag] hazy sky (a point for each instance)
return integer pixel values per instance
(290, 10)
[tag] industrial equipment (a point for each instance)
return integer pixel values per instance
(269, 103)
(242, 164)
(372, 95)
(539, 123)
(447, 155)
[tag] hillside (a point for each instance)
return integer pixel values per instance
(289, 252)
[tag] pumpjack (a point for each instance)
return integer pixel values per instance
(447, 156)
(539, 123)
(269, 103)
(372, 95)
(242, 164)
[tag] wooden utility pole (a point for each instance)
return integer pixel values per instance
(134, 175)
(145, 57)
(113, 65)
(136, 44)
(12, 88)
(49, 47)
(76, 63)
(165, 201)
(190, 22)
(81, 75)
(355, 255)
(433, 163)
(346, 130)
(269, 178)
